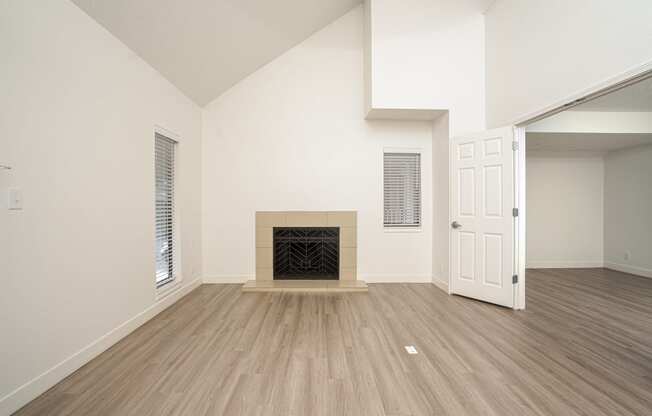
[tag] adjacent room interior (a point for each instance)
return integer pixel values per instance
(588, 191)
(343, 207)
(589, 231)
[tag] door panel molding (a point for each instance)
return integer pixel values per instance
(483, 249)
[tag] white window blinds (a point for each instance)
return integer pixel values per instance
(402, 189)
(164, 154)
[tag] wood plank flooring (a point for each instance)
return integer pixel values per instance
(583, 347)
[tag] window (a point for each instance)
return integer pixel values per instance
(165, 244)
(402, 189)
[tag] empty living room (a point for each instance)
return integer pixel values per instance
(326, 207)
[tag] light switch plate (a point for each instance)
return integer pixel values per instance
(15, 199)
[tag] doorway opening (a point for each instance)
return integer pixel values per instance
(488, 192)
(587, 185)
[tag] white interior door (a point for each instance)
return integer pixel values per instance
(482, 221)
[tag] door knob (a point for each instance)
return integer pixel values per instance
(456, 225)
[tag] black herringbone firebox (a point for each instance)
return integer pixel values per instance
(306, 253)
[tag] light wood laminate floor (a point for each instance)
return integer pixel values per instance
(583, 347)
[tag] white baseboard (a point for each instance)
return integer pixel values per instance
(392, 278)
(582, 264)
(37, 386)
(229, 279)
(626, 268)
(440, 284)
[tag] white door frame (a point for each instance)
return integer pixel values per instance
(607, 86)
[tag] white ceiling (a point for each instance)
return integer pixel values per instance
(635, 98)
(584, 142)
(206, 46)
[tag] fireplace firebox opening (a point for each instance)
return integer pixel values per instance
(311, 253)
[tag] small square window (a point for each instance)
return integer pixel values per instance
(402, 189)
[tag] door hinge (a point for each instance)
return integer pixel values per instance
(514, 146)
(514, 212)
(515, 279)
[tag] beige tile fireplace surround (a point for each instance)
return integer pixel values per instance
(267, 220)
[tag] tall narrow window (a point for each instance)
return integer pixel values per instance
(164, 154)
(402, 189)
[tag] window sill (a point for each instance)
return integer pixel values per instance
(169, 288)
(402, 229)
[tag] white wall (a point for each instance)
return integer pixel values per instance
(441, 203)
(541, 52)
(292, 136)
(565, 211)
(423, 55)
(628, 222)
(428, 54)
(77, 113)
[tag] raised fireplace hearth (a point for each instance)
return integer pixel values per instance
(308, 253)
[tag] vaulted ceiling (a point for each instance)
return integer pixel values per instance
(206, 46)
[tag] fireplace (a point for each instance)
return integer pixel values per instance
(306, 253)
(344, 223)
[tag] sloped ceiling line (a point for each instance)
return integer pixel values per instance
(206, 46)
